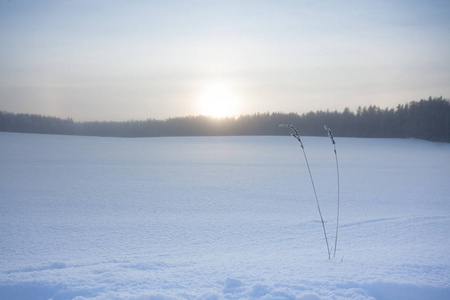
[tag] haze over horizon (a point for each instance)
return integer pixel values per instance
(121, 60)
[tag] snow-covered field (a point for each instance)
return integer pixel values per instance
(222, 218)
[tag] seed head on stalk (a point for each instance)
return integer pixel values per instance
(296, 134)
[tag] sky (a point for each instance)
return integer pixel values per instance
(118, 60)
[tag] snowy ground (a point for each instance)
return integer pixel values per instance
(222, 218)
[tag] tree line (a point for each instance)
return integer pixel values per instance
(424, 119)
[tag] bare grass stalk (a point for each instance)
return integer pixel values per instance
(330, 134)
(296, 134)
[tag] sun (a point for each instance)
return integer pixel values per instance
(218, 101)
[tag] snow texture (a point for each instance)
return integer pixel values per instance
(222, 218)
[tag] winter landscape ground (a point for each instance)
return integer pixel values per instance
(222, 218)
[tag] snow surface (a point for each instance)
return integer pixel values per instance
(222, 218)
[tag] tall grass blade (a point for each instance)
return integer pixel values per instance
(296, 134)
(330, 134)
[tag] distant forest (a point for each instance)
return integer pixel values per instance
(424, 119)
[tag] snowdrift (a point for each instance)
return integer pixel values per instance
(221, 218)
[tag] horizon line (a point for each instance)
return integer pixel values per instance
(225, 117)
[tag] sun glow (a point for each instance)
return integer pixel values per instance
(218, 101)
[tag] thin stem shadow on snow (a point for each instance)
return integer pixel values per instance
(296, 134)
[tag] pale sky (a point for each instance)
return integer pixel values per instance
(123, 59)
